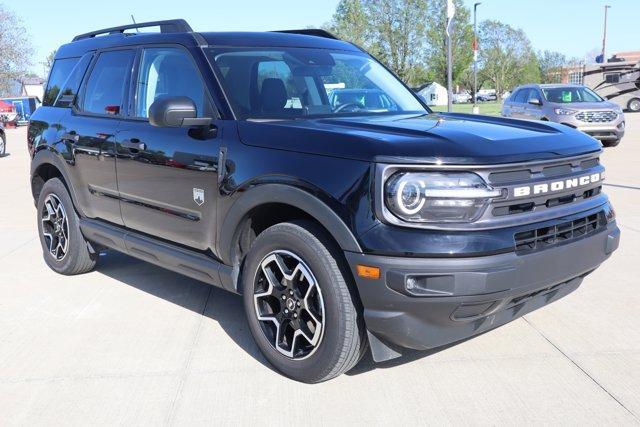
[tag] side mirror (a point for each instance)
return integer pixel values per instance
(175, 111)
(535, 101)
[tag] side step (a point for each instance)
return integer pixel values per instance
(165, 255)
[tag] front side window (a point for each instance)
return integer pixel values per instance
(566, 95)
(105, 90)
(281, 83)
(521, 96)
(168, 72)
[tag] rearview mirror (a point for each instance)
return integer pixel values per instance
(535, 101)
(175, 111)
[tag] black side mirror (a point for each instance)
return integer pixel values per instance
(175, 111)
(535, 101)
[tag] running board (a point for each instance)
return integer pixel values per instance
(165, 255)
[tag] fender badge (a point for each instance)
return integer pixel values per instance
(198, 196)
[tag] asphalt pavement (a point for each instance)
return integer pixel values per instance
(131, 343)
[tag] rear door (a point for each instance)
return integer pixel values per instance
(90, 129)
(167, 177)
(517, 106)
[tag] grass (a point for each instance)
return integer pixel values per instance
(486, 108)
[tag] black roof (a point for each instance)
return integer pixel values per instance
(172, 33)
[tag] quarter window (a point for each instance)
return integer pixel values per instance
(107, 83)
(59, 74)
(168, 72)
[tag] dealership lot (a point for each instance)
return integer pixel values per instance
(132, 343)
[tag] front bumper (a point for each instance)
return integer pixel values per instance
(612, 131)
(462, 297)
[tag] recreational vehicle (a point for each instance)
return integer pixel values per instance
(617, 82)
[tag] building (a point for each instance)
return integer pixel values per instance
(433, 93)
(29, 87)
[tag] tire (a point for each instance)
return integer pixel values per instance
(3, 144)
(634, 105)
(611, 143)
(64, 248)
(331, 313)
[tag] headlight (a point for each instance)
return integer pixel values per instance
(428, 197)
(564, 111)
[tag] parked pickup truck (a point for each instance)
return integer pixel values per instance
(343, 227)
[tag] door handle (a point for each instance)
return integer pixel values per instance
(71, 137)
(134, 144)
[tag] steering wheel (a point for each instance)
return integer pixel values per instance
(353, 105)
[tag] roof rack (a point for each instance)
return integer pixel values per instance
(311, 32)
(168, 26)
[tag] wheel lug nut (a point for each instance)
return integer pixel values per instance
(290, 292)
(295, 315)
(298, 303)
(284, 297)
(286, 311)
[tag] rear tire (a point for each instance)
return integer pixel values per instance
(65, 249)
(307, 319)
(634, 105)
(3, 144)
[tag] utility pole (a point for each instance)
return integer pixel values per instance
(451, 11)
(475, 109)
(604, 36)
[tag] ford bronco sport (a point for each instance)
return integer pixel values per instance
(342, 225)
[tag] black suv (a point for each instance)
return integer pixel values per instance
(220, 156)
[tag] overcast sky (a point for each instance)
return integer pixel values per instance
(572, 27)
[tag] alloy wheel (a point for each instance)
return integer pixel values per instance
(55, 227)
(288, 304)
(634, 105)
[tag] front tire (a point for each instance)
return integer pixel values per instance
(300, 303)
(65, 249)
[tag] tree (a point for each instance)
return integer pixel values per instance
(551, 64)
(392, 30)
(48, 62)
(15, 49)
(506, 56)
(436, 40)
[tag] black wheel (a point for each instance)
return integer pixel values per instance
(301, 306)
(3, 144)
(634, 105)
(64, 248)
(611, 143)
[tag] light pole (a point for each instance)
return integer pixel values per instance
(604, 36)
(475, 60)
(451, 11)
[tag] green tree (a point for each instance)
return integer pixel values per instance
(506, 56)
(436, 41)
(15, 50)
(391, 30)
(48, 62)
(551, 64)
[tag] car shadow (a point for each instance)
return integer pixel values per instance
(219, 305)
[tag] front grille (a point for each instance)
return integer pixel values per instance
(596, 116)
(545, 237)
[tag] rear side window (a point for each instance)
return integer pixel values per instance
(70, 89)
(106, 86)
(58, 76)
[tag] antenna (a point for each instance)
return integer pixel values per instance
(134, 21)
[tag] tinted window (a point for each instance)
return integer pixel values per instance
(521, 96)
(59, 74)
(533, 94)
(71, 86)
(612, 78)
(107, 83)
(168, 72)
(299, 82)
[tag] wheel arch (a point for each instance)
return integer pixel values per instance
(46, 165)
(269, 204)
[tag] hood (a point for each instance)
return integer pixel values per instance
(584, 106)
(432, 138)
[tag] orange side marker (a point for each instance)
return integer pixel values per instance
(368, 272)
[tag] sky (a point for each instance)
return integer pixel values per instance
(572, 27)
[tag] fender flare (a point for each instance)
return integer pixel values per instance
(50, 157)
(288, 195)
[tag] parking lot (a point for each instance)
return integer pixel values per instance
(132, 343)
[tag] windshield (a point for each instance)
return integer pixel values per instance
(284, 83)
(569, 94)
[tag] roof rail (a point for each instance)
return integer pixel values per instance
(168, 26)
(311, 32)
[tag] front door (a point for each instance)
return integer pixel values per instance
(167, 177)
